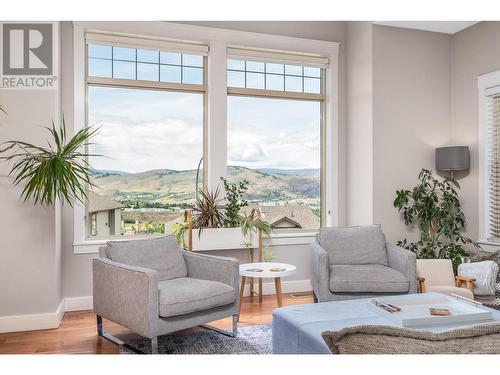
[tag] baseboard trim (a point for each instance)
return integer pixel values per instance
(78, 303)
(32, 322)
(291, 286)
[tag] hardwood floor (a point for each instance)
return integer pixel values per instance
(77, 332)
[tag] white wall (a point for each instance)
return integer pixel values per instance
(398, 111)
(359, 119)
(475, 51)
(30, 253)
(411, 114)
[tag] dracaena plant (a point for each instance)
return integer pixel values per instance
(433, 205)
(207, 212)
(59, 170)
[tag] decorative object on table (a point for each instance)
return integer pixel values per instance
(439, 312)
(357, 262)
(386, 306)
(153, 288)
(250, 340)
(479, 339)
(434, 207)
(59, 171)
(436, 275)
(265, 271)
(452, 158)
(484, 274)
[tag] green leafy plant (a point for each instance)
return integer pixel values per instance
(60, 170)
(235, 202)
(253, 223)
(179, 230)
(433, 205)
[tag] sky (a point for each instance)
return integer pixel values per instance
(142, 130)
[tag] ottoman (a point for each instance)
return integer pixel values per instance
(297, 329)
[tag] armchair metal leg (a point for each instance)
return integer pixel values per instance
(154, 345)
(234, 331)
(114, 339)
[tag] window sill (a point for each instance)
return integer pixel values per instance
(282, 239)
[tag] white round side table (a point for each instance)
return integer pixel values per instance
(266, 271)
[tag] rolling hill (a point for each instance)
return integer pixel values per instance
(172, 187)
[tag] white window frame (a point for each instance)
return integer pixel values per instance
(216, 104)
(484, 82)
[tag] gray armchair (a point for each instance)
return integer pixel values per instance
(153, 288)
(356, 262)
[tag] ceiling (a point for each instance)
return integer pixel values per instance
(448, 27)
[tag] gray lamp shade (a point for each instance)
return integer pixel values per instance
(455, 158)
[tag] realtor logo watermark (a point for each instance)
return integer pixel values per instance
(27, 56)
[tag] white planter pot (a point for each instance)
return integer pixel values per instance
(221, 239)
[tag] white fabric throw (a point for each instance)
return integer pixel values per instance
(485, 274)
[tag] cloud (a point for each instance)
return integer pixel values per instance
(241, 152)
(145, 129)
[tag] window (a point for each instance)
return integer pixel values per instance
(275, 145)
(151, 137)
(272, 76)
(166, 95)
(489, 157)
(275, 127)
(491, 112)
(145, 65)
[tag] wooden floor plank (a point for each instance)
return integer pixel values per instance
(77, 332)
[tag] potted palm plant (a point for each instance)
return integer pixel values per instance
(59, 171)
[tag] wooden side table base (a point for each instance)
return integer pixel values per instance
(277, 285)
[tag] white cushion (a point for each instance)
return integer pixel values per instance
(485, 274)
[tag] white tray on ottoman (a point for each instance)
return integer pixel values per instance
(415, 311)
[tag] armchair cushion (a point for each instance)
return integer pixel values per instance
(186, 295)
(160, 254)
(354, 245)
(372, 278)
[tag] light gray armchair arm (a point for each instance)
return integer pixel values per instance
(404, 261)
(127, 295)
(208, 267)
(320, 271)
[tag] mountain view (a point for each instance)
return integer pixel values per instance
(164, 188)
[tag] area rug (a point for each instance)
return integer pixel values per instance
(250, 340)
